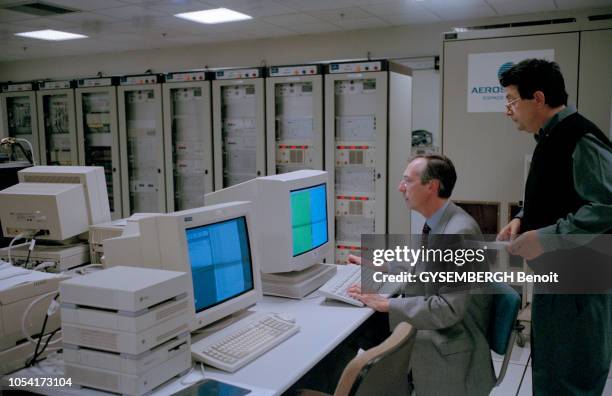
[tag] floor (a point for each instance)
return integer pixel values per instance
(517, 381)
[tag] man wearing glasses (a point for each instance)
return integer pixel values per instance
(568, 191)
(451, 354)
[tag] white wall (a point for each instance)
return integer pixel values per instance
(392, 42)
(382, 43)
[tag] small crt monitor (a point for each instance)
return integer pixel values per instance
(214, 245)
(291, 212)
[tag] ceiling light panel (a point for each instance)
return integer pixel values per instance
(51, 35)
(217, 15)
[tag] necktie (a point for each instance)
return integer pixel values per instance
(425, 236)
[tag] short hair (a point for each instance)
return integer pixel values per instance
(439, 167)
(533, 75)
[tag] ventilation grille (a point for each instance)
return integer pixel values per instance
(39, 9)
(356, 208)
(51, 179)
(602, 17)
(543, 22)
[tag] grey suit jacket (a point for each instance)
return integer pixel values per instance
(451, 355)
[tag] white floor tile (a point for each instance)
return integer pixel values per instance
(512, 380)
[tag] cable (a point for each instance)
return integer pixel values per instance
(40, 337)
(10, 246)
(51, 364)
(25, 153)
(27, 311)
(44, 265)
(31, 158)
(84, 270)
(37, 353)
(50, 311)
(202, 372)
(30, 248)
(10, 141)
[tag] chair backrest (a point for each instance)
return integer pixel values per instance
(379, 369)
(504, 310)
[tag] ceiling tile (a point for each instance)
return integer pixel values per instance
(289, 20)
(9, 16)
(142, 26)
(363, 23)
(85, 17)
(397, 8)
(410, 19)
(130, 12)
(9, 29)
(504, 7)
(265, 30)
(340, 14)
(87, 5)
(451, 10)
(176, 7)
(311, 28)
(576, 4)
(183, 38)
(45, 23)
(312, 5)
(254, 8)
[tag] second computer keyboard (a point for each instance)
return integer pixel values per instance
(243, 341)
(337, 287)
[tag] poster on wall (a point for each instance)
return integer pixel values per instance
(484, 93)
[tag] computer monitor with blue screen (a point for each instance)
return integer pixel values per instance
(291, 212)
(214, 244)
(220, 260)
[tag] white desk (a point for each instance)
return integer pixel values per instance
(323, 326)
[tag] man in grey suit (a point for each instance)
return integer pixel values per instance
(451, 353)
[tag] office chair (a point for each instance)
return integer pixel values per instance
(378, 370)
(503, 324)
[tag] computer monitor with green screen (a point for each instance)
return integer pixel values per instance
(292, 212)
(308, 218)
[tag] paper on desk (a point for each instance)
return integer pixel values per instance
(12, 276)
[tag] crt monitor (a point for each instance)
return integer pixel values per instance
(292, 211)
(213, 244)
(55, 202)
(220, 262)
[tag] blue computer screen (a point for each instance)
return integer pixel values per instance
(309, 218)
(220, 260)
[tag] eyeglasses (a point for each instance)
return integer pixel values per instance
(511, 104)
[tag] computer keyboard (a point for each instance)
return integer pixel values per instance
(336, 288)
(243, 341)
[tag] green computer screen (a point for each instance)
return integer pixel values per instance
(309, 218)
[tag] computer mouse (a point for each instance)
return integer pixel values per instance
(285, 316)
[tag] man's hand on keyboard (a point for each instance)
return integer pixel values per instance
(352, 259)
(374, 301)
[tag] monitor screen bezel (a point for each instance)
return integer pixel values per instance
(246, 225)
(324, 184)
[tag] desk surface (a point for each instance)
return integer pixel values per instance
(323, 326)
